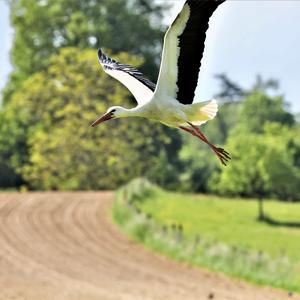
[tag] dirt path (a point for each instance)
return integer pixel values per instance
(63, 246)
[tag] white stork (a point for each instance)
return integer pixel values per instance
(171, 100)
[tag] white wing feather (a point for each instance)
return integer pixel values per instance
(141, 88)
(166, 84)
(141, 93)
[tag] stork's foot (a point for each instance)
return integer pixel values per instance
(222, 154)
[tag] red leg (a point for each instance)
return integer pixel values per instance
(197, 129)
(220, 152)
(192, 132)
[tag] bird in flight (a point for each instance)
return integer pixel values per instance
(170, 101)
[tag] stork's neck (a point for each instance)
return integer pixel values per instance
(122, 112)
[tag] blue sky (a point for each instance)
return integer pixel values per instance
(245, 38)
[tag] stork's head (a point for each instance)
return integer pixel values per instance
(112, 113)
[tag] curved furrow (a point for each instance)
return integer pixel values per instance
(64, 246)
(20, 239)
(71, 254)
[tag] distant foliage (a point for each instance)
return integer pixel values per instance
(38, 97)
(262, 138)
(63, 151)
(265, 152)
(258, 109)
(42, 27)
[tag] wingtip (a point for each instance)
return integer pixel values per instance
(100, 53)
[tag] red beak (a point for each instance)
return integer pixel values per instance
(104, 118)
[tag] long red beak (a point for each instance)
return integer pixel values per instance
(104, 118)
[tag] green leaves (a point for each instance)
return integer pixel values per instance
(258, 109)
(55, 92)
(43, 27)
(62, 151)
(263, 148)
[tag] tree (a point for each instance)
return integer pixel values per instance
(12, 148)
(232, 94)
(242, 111)
(258, 109)
(262, 165)
(264, 152)
(229, 90)
(43, 27)
(64, 152)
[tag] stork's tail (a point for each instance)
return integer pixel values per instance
(210, 109)
(200, 113)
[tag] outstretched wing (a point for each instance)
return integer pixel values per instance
(141, 88)
(183, 50)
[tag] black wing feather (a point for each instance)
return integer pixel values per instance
(191, 44)
(111, 64)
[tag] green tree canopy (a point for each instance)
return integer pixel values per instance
(258, 109)
(262, 165)
(42, 27)
(264, 150)
(64, 152)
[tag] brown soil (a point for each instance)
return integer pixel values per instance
(57, 246)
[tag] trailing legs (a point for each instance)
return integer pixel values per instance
(222, 154)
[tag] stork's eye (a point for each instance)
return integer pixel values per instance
(112, 111)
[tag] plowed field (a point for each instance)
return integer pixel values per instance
(63, 246)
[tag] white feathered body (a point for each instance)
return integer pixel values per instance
(174, 114)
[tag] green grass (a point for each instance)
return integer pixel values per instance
(219, 234)
(233, 222)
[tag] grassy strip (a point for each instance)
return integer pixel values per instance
(143, 212)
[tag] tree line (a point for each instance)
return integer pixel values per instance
(57, 88)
